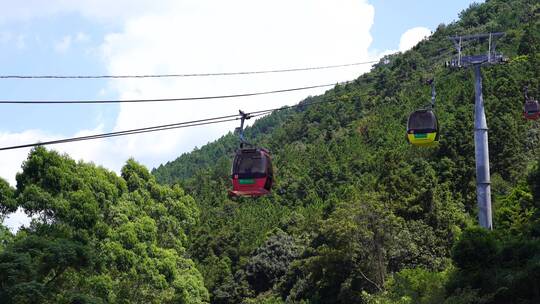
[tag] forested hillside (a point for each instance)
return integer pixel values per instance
(359, 216)
(356, 215)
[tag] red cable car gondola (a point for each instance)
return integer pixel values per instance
(531, 108)
(252, 173)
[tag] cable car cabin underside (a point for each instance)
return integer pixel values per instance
(251, 173)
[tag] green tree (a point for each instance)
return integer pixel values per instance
(98, 238)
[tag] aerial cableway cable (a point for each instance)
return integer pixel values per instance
(187, 124)
(184, 75)
(195, 123)
(167, 99)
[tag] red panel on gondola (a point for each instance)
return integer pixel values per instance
(253, 187)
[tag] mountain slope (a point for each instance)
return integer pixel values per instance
(353, 203)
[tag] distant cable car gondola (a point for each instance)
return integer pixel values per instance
(252, 172)
(531, 108)
(422, 125)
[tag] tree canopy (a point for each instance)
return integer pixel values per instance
(97, 237)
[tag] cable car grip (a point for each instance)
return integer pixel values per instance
(240, 130)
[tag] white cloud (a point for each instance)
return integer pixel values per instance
(20, 42)
(17, 219)
(5, 36)
(63, 45)
(11, 160)
(411, 37)
(68, 41)
(229, 36)
(82, 37)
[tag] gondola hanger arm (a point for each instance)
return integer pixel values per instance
(240, 130)
(431, 82)
(433, 93)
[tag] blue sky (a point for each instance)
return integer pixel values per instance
(35, 47)
(393, 17)
(139, 37)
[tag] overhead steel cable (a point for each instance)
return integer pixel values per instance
(113, 134)
(165, 99)
(129, 132)
(185, 75)
(187, 124)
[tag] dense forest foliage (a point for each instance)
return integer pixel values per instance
(356, 216)
(97, 237)
(359, 216)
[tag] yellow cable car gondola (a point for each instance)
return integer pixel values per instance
(423, 128)
(422, 125)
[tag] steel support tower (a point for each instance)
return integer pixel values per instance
(483, 183)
